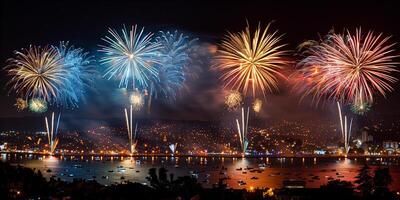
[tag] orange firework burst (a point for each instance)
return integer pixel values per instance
(233, 100)
(257, 105)
(250, 60)
(349, 68)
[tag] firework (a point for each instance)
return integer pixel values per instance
(52, 130)
(21, 104)
(80, 73)
(38, 73)
(132, 134)
(173, 147)
(257, 105)
(349, 68)
(242, 130)
(345, 130)
(173, 68)
(37, 105)
(251, 61)
(233, 100)
(360, 109)
(136, 99)
(130, 57)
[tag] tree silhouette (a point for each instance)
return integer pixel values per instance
(382, 180)
(365, 181)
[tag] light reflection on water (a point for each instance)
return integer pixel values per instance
(109, 170)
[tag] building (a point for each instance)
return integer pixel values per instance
(391, 146)
(365, 137)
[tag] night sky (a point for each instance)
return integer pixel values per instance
(83, 24)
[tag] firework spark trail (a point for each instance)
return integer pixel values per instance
(242, 130)
(251, 61)
(348, 68)
(173, 147)
(130, 57)
(51, 134)
(132, 134)
(345, 130)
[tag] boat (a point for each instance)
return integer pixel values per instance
(121, 170)
(70, 175)
(241, 182)
(239, 169)
(254, 178)
(48, 170)
(262, 166)
(111, 171)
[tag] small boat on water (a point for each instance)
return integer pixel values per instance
(70, 175)
(48, 170)
(121, 170)
(104, 177)
(239, 169)
(254, 178)
(111, 171)
(241, 182)
(262, 166)
(77, 166)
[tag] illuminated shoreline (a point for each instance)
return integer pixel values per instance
(193, 155)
